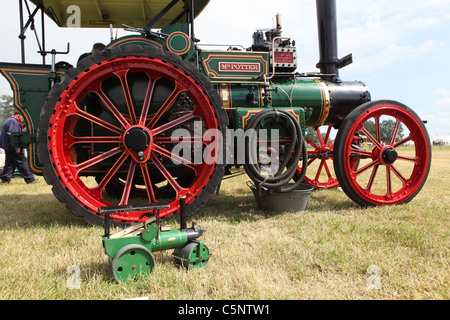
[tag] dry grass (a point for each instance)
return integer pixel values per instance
(321, 254)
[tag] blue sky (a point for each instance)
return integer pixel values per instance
(400, 48)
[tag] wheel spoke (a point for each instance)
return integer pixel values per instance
(164, 140)
(360, 152)
(128, 184)
(98, 139)
(354, 164)
(410, 159)
(370, 137)
(122, 75)
(312, 143)
(167, 175)
(378, 129)
(112, 171)
(320, 137)
(173, 156)
(367, 167)
(101, 157)
(319, 170)
(147, 100)
(399, 175)
(98, 121)
(395, 132)
(327, 136)
(311, 161)
(388, 180)
(165, 106)
(111, 107)
(372, 177)
(148, 182)
(173, 123)
(327, 170)
(402, 142)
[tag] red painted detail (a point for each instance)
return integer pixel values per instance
(411, 182)
(284, 57)
(325, 164)
(147, 152)
(62, 139)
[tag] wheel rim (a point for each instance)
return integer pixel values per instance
(320, 164)
(104, 103)
(192, 255)
(199, 256)
(393, 164)
(131, 262)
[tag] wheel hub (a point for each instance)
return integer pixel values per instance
(138, 141)
(325, 150)
(389, 155)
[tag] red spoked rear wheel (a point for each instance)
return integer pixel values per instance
(393, 148)
(108, 134)
(320, 164)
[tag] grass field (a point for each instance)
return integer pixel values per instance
(336, 250)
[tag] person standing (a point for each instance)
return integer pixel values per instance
(14, 157)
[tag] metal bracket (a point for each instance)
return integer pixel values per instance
(160, 15)
(109, 211)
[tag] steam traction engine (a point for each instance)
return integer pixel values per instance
(102, 133)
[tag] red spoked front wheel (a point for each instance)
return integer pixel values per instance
(126, 127)
(393, 148)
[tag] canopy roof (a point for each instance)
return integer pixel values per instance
(102, 13)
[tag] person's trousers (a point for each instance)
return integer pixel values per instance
(16, 160)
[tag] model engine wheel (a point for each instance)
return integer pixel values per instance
(393, 151)
(132, 262)
(106, 135)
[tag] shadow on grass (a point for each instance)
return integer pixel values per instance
(330, 200)
(243, 207)
(86, 272)
(21, 211)
(43, 210)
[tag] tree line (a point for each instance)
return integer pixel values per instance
(386, 129)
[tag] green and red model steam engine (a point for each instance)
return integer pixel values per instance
(103, 133)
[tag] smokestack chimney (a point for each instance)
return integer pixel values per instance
(327, 27)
